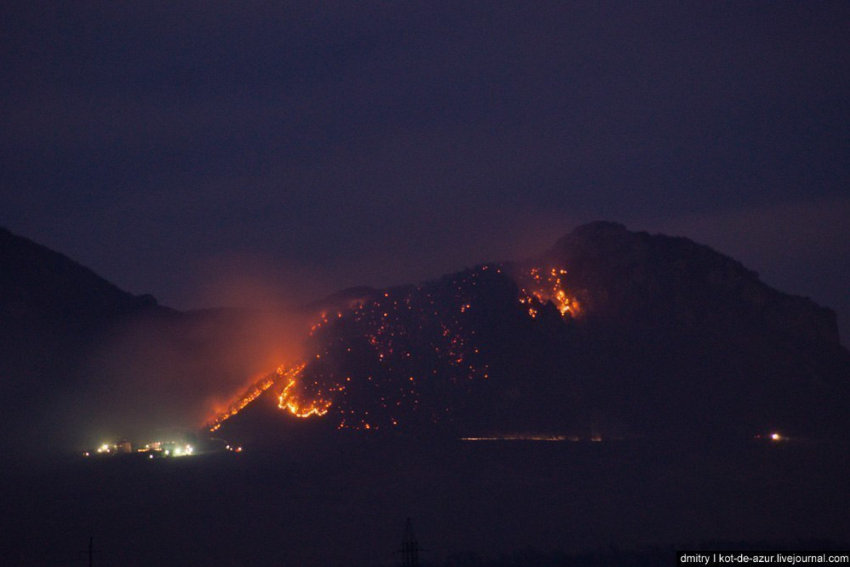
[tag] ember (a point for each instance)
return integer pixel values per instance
(397, 354)
(249, 396)
(541, 286)
(295, 400)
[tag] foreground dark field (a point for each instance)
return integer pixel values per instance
(345, 503)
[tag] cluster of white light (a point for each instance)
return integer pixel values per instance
(184, 451)
(152, 448)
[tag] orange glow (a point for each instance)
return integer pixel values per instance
(542, 286)
(249, 396)
(296, 401)
(291, 398)
(387, 330)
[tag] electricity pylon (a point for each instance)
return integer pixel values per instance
(409, 547)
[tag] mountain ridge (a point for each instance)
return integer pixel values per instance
(53, 313)
(609, 331)
(720, 272)
(606, 333)
(73, 285)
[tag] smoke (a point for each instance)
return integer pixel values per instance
(177, 370)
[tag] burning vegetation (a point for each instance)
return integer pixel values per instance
(406, 354)
(246, 398)
(297, 399)
(540, 286)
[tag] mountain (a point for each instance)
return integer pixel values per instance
(52, 311)
(82, 361)
(51, 307)
(610, 334)
(50, 303)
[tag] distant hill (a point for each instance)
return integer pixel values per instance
(82, 361)
(609, 334)
(52, 310)
(51, 305)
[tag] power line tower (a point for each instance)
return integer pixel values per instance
(409, 547)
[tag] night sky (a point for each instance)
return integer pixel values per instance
(192, 149)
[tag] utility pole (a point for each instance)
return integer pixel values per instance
(409, 547)
(91, 551)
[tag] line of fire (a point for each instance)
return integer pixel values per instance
(406, 355)
(314, 388)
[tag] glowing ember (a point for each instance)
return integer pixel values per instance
(403, 356)
(249, 396)
(544, 286)
(294, 399)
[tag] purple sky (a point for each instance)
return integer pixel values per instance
(190, 149)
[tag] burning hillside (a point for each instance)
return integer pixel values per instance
(543, 286)
(406, 354)
(611, 333)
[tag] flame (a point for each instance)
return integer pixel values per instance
(289, 399)
(294, 401)
(249, 396)
(406, 342)
(547, 286)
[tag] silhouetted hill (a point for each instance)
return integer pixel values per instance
(609, 334)
(38, 282)
(82, 361)
(664, 281)
(52, 310)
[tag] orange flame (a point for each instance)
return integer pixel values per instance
(547, 286)
(293, 401)
(249, 396)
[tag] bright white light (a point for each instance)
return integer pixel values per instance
(775, 436)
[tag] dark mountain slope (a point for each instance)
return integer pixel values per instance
(702, 335)
(52, 311)
(82, 361)
(610, 333)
